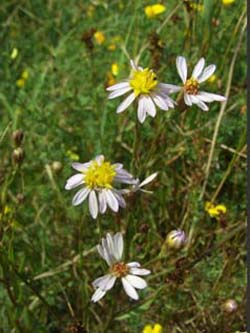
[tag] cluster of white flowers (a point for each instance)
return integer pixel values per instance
(99, 179)
(150, 93)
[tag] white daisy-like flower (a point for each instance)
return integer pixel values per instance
(146, 89)
(191, 86)
(97, 178)
(111, 250)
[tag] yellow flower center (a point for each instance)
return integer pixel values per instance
(143, 81)
(99, 175)
(191, 86)
(120, 269)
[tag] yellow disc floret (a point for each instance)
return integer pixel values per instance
(143, 81)
(99, 175)
(191, 86)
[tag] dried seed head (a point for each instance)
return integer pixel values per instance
(230, 306)
(18, 155)
(17, 137)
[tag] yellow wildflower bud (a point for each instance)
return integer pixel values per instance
(72, 156)
(25, 75)
(147, 329)
(154, 10)
(215, 210)
(111, 47)
(20, 83)
(157, 328)
(212, 79)
(14, 53)
(115, 69)
(99, 37)
(110, 80)
(227, 2)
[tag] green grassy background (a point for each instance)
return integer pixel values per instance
(47, 255)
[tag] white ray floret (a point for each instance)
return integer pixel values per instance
(142, 86)
(97, 179)
(191, 86)
(111, 250)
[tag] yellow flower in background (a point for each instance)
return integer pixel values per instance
(115, 69)
(215, 210)
(227, 2)
(24, 77)
(213, 78)
(90, 11)
(14, 53)
(110, 80)
(154, 10)
(112, 47)
(99, 37)
(72, 155)
(197, 6)
(157, 328)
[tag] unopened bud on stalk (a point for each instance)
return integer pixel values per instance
(176, 239)
(57, 166)
(230, 306)
(18, 155)
(17, 137)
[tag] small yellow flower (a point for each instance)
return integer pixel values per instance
(72, 156)
(90, 11)
(99, 37)
(20, 83)
(115, 69)
(157, 328)
(112, 47)
(25, 75)
(6, 210)
(110, 80)
(227, 2)
(215, 210)
(197, 7)
(154, 10)
(213, 78)
(14, 53)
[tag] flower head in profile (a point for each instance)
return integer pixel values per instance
(97, 179)
(154, 10)
(191, 85)
(144, 87)
(111, 250)
(156, 328)
(99, 37)
(215, 210)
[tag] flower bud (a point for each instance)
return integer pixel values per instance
(17, 137)
(230, 306)
(176, 239)
(56, 166)
(18, 155)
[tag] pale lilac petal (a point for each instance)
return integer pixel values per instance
(194, 99)
(181, 65)
(80, 166)
(139, 271)
(105, 282)
(134, 264)
(74, 181)
(102, 202)
(148, 179)
(149, 106)
(208, 71)
(98, 294)
(187, 100)
(203, 106)
(130, 291)
(120, 199)
(168, 88)
(160, 102)
(80, 196)
(118, 245)
(141, 112)
(99, 159)
(119, 92)
(209, 97)
(111, 200)
(136, 281)
(126, 103)
(118, 86)
(198, 68)
(93, 204)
